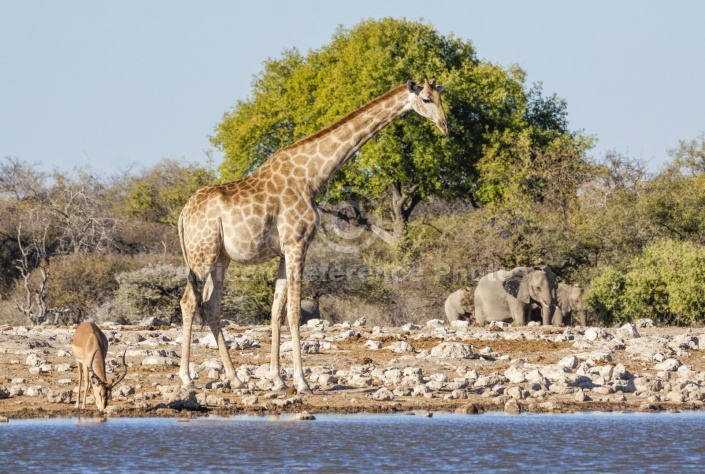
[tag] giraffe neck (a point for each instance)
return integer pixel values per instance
(329, 149)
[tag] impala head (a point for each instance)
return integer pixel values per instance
(426, 102)
(102, 390)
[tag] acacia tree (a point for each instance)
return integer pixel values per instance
(487, 107)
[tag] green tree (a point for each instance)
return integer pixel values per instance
(666, 283)
(160, 192)
(488, 107)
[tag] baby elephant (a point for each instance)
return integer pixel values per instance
(457, 306)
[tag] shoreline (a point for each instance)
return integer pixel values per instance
(355, 368)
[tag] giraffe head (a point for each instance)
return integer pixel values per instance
(426, 101)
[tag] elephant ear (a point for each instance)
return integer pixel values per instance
(517, 285)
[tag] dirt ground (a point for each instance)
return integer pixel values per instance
(150, 389)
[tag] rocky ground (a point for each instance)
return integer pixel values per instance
(357, 368)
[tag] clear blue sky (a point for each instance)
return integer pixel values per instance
(120, 84)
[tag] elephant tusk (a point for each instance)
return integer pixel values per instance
(545, 305)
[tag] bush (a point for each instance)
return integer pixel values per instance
(248, 293)
(79, 283)
(665, 283)
(154, 290)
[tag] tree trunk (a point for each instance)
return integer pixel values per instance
(403, 204)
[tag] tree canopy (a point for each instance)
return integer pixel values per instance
(489, 108)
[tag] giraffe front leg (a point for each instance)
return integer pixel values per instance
(294, 274)
(278, 308)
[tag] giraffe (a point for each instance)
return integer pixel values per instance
(272, 213)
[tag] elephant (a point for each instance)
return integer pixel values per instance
(568, 300)
(309, 311)
(455, 309)
(509, 295)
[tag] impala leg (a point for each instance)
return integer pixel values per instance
(294, 274)
(87, 384)
(80, 381)
(278, 309)
(212, 294)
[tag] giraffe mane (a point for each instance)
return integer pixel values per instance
(345, 119)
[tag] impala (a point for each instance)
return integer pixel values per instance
(90, 346)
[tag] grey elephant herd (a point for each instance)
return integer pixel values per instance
(521, 295)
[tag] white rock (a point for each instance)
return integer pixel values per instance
(460, 324)
(434, 323)
(383, 395)
(400, 347)
(360, 322)
(515, 374)
(668, 365)
(420, 390)
(250, 400)
(158, 360)
(35, 391)
(438, 377)
(33, 360)
(372, 344)
(569, 362)
(318, 323)
(592, 334)
(452, 350)
(512, 407)
(307, 347)
(629, 331)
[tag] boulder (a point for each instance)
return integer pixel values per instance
(629, 331)
(383, 395)
(452, 350)
(158, 360)
(400, 347)
(668, 365)
(512, 407)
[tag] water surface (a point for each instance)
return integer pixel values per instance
(591, 442)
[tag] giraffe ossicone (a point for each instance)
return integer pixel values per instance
(272, 213)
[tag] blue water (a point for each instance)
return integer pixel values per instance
(591, 442)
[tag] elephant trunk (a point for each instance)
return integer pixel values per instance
(548, 305)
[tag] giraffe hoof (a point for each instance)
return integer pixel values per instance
(306, 390)
(279, 387)
(188, 387)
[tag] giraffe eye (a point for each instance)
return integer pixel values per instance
(426, 100)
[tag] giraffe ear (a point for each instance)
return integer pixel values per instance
(413, 87)
(440, 89)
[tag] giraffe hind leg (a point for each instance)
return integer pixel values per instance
(212, 295)
(278, 311)
(188, 311)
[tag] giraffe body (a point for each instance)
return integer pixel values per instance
(272, 213)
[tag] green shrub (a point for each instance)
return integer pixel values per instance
(665, 283)
(154, 290)
(79, 283)
(248, 292)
